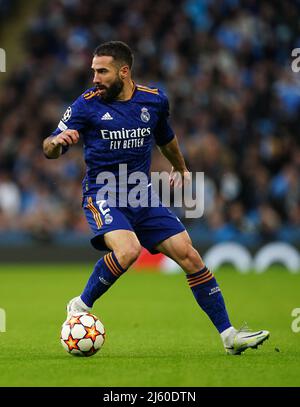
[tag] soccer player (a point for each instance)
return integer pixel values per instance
(118, 121)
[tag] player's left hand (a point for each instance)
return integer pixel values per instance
(179, 178)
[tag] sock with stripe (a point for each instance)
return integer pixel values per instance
(107, 270)
(208, 295)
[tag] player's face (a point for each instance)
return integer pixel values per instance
(107, 77)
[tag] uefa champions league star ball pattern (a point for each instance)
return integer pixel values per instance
(82, 334)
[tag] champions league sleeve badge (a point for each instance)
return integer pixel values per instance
(145, 115)
(67, 115)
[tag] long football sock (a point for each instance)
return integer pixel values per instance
(208, 295)
(107, 270)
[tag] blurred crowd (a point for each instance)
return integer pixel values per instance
(6, 8)
(235, 107)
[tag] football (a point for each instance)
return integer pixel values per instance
(82, 334)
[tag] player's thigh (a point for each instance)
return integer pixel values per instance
(125, 245)
(180, 248)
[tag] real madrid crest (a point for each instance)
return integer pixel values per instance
(145, 115)
(108, 219)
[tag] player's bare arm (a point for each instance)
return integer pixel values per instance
(179, 170)
(52, 146)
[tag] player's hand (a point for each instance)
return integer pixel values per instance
(179, 178)
(66, 138)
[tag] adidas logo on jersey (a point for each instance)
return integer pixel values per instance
(106, 116)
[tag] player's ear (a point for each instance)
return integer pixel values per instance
(124, 71)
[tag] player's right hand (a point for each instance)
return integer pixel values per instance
(66, 138)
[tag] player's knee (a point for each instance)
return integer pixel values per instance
(129, 254)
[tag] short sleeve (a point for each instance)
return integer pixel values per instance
(163, 132)
(74, 118)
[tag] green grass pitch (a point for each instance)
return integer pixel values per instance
(156, 333)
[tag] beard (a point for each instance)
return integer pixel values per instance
(111, 93)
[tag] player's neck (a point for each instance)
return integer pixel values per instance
(127, 91)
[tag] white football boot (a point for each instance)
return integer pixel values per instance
(76, 305)
(237, 341)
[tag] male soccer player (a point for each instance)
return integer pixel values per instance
(118, 121)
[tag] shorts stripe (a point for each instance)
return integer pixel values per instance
(95, 213)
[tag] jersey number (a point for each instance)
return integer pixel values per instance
(101, 204)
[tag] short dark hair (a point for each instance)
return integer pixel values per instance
(120, 52)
